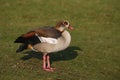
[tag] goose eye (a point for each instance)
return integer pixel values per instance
(65, 23)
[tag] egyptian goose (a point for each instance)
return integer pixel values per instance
(46, 40)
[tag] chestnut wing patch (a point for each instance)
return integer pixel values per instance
(48, 34)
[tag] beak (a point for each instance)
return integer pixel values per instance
(70, 28)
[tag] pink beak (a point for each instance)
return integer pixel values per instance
(70, 28)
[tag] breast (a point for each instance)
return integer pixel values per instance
(62, 43)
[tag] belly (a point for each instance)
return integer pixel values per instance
(62, 43)
(49, 48)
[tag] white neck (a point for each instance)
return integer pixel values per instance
(67, 37)
(61, 28)
(63, 42)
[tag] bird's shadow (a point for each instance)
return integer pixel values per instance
(67, 54)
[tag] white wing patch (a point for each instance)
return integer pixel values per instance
(47, 40)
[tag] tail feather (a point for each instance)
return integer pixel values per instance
(26, 40)
(20, 40)
(24, 44)
(22, 47)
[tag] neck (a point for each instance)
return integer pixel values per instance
(61, 28)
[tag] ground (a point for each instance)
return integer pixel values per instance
(94, 52)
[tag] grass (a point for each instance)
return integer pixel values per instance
(94, 50)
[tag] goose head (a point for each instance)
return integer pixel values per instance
(62, 25)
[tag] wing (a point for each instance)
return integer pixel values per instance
(43, 33)
(48, 32)
(28, 38)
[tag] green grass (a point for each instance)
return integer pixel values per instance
(96, 34)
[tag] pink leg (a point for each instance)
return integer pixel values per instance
(46, 63)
